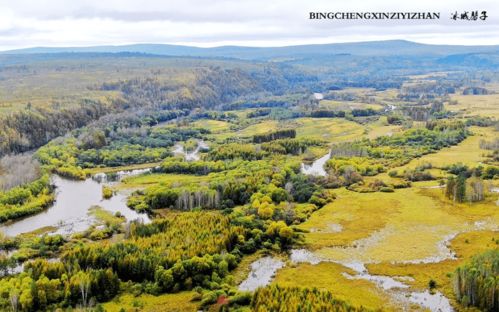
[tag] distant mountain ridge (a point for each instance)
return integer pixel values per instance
(370, 48)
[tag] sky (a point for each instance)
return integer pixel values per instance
(207, 23)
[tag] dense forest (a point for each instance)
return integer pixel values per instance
(203, 88)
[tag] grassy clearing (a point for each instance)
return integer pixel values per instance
(353, 212)
(262, 127)
(385, 97)
(215, 126)
(158, 178)
(329, 129)
(259, 128)
(330, 276)
(381, 128)
(467, 152)
(333, 130)
(378, 131)
(472, 105)
(148, 303)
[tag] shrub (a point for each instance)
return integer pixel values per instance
(393, 173)
(107, 192)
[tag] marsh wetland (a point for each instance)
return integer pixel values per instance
(185, 184)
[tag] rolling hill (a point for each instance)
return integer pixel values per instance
(379, 48)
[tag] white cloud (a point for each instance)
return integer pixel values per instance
(26, 23)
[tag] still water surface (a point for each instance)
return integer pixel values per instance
(70, 212)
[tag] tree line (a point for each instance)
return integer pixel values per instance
(28, 129)
(476, 283)
(276, 135)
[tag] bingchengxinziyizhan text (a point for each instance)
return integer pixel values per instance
(375, 15)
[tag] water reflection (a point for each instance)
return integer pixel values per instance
(70, 212)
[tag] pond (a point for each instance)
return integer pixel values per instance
(262, 272)
(317, 167)
(70, 212)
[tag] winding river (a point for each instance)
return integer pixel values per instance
(435, 302)
(70, 211)
(264, 269)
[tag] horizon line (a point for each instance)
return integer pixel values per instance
(234, 45)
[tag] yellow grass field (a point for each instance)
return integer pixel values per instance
(467, 152)
(472, 105)
(379, 227)
(332, 130)
(392, 233)
(381, 128)
(215, 126)
(141, 181)
(261, 127)
(465, 245)
(329, 129)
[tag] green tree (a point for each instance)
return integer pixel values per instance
(450, 189)
(461, 188)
